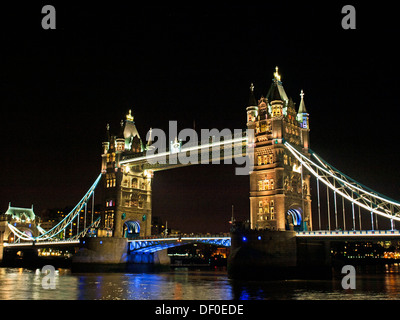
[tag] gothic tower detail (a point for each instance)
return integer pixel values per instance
(127, 189)
(279, 186)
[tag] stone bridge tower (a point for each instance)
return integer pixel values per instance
(279, 187)
(127, 189)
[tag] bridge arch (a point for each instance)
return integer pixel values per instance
(131, 229)
(295, 218)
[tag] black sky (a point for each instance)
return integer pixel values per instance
(186, 62)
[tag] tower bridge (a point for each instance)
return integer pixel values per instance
(284, 176)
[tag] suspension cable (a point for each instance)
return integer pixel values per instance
(366, 197)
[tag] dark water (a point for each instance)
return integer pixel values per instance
(186, 284)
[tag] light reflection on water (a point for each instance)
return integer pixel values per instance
(186, 284)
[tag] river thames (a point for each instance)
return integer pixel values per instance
(191, 284)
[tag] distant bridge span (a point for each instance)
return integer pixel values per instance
(152, 245)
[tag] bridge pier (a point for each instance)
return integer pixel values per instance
(101, 250)
(156, 258)
(266, 254)
(102, 253)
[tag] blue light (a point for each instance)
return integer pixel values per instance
(101, 242)
(244, 239)
(259, 238)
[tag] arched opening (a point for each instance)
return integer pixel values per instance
(131, 229)
(295, 218)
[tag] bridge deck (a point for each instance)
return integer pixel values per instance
(144, 244)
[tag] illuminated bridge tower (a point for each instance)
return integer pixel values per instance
(127, 189)
(279, 187)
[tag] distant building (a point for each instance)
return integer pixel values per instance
(157, 225)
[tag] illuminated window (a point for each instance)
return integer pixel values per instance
(259, 160)
(266, 184)
(114, 182)
(271, 158)
(272, 184)
(285, 159)
(260, 204)
(266, 207)
(260, 186)
(265, 159)
(272, 213)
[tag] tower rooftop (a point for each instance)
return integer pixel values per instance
(276, 91)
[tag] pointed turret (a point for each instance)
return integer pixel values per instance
(252, 108)
(131, 135)
(120, 140)
(302, 115)
(108, 136)
(302, 108)
(277, 96)
(106, 142)
(121, 131)
(149, 144)
(252, 99)
(276, 91)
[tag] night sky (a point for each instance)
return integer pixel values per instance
(190, 62)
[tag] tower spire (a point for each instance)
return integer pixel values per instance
(302, 114)
(302, 107)
(108, 137)
(150, 140)
(252, 99)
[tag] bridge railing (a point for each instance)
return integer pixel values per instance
(326, 233)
